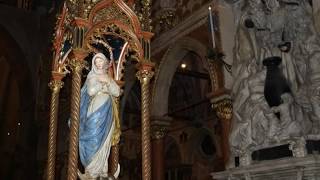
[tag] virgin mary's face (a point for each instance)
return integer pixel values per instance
(100, 63)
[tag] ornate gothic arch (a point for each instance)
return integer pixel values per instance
(115, 18)
(84, 28)
(106, 17)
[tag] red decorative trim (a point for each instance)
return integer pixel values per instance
(123, 7)
(59, 33)
(82, 22)
(58, 76)
(145, 66)
(147, 35)
(101, 5)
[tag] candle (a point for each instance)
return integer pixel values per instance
(211, 28)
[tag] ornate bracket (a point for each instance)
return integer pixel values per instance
(56, 84)
(145, 72)
(77, 62)
(159, 127)
(223, 106)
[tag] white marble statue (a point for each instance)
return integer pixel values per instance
(283, 28)
(98, 117)
(287, 126)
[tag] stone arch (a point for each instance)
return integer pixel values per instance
(27, 44)
(168, 66)
(16, 33)
(11, 49)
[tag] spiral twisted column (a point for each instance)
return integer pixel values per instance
(55, 85)
(114, 160)
(144, 75)
(76, 64)
(222, 104)
(114, 155)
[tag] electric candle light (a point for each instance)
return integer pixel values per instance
(211, 27)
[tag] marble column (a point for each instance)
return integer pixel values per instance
(55, 85)
(159, 131)
(144, 75)
(77, 64)
(222, 104)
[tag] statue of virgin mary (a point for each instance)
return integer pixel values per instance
(99, 120)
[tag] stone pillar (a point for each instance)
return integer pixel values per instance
(77, 63)
(159, 131)
(55, 85)
(144, 75)
(222, 104)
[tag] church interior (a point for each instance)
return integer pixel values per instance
(195, 89)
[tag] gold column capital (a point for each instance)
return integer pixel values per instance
(158, 132)
(159, 127)
(56, 83)
(144, 76)
(77, 64)
(145, 71)
(222, 104)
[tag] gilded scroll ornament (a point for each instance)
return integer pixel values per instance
(158, 132)
(145, 16)
(223, 108)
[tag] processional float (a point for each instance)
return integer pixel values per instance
(87, 27)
